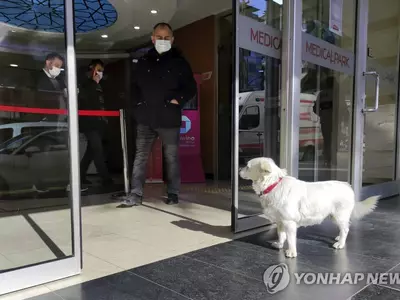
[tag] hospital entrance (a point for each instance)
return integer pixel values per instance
(259, 94)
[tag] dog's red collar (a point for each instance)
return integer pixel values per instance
(271, 187)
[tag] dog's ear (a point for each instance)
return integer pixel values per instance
(265, 166)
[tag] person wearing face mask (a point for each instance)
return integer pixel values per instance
(162, 85)
(91, 97)
(49, 80)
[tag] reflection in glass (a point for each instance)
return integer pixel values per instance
(48, 15)
(326, 99)
(258, 101)
(35, 208)
(380, 126)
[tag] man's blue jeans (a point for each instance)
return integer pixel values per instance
(144, 144)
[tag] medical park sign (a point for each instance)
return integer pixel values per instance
(258, 37)
(266, 40)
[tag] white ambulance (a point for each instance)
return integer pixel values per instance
(252, 129)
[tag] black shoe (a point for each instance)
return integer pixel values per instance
(39, 189)
(130, 201)
(172, 199)
(83, 189)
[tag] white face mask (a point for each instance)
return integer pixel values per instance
(54, 72)
(100, 74)
(162, 46)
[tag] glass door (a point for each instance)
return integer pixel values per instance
(377, 116)
(39, 158)
(257, 100)
(327, 89)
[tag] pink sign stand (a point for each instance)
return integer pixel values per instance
(190, 148)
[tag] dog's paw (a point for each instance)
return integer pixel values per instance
(337, 238)
(290, 253)
(277, 245)
(338, 245)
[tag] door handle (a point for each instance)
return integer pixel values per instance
(377, 83)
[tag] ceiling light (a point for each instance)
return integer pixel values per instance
(104, 36)
(153, 11)
(14, 65)
(136, 27)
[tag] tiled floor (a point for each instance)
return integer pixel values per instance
(39, 226)
(39, 229)
(185, 252)
(115, 240)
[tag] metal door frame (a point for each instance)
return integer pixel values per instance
(42, 273)
(386, 189)
(289, 113)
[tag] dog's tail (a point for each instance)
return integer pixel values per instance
(363, 208)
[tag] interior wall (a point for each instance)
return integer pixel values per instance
(197, 42)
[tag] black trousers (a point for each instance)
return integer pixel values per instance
(326, 120)
(94, 152)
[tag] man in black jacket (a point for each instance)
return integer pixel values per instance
(93, 127)
(164, 83)
(49, 80)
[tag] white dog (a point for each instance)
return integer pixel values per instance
(292, 203)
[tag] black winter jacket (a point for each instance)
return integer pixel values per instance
(91, 97)
(44, 83)
(158, 80)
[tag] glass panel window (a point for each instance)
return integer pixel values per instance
(380, 126)
(5, 134)
(250, 118)
(326, 92)
(35, 206)
(259, 98)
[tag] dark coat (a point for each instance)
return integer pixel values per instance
(91, 97)
(158, 80)
(43, 82)
(50, 94)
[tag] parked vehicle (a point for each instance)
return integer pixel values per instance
(251, 125)
(10, 130)
(30, 159)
